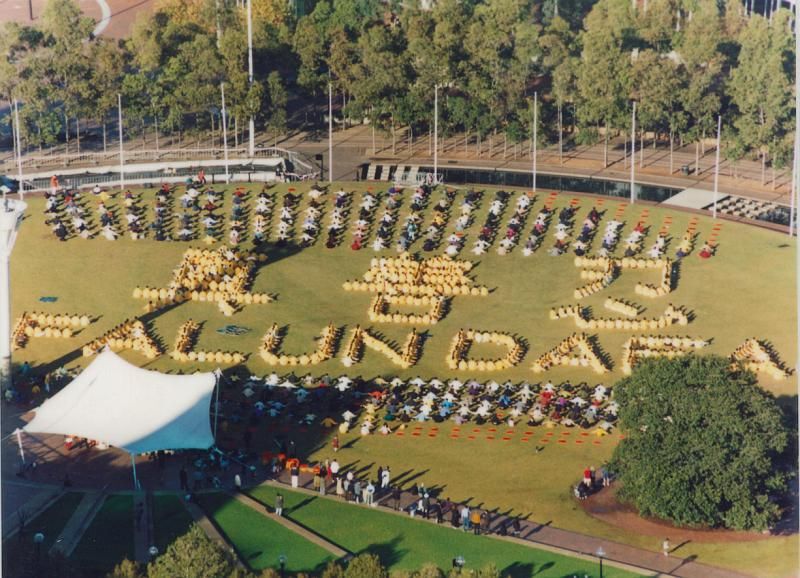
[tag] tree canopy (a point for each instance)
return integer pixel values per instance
(703, 444)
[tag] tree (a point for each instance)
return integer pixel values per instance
(333, 570)
(193, 555)
(126, 569)
(561, 60)
(703, 444)
(765, 115)
(365, 566)
(605, 70)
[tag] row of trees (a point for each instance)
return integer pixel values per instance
(684, 61)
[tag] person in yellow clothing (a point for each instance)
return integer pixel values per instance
(475, 520)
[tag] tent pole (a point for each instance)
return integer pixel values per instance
(135, 479)
(19, 442)
(216, 404)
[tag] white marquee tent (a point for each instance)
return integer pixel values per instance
(131, 408)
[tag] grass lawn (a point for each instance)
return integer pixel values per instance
(746, 290)
(170, 519)
(406, 544)
(109, 538)
(50, 523)
(258, 540)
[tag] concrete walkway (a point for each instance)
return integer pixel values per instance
(76, 526)
(142, 525)
(28, 502)
(290, 525)
(554, 539)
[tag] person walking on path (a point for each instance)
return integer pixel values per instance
(279, 504)
(665, 546)
(294, 471)
(604, 476)
(334, 469)
(184, 477)
(335, 443)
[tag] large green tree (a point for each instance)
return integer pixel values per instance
(193, 555)
(703, 444)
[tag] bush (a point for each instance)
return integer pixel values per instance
(193, 555)
(703, 444)
(365, 566)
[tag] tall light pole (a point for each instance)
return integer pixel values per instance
(435, 132)
(121, 152)
(18, 144)
(716, 164)
(330, 132)
(252, 148)
(633, 153)
(224, 132)
(535, 132)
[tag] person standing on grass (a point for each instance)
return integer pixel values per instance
(335, 443)
(465, 517)
(323, 474)
(369, 494)
(475, 520)
(386, 478)
(357, 490)
(334, 470)
(279, 504)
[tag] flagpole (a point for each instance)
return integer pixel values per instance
(435, 131)
(252, 127)
(633, 153)
(121, 161)
(135, 479)
(19, 147)
(535, 133)
(330, 132)
(224, 133)
(716, 164)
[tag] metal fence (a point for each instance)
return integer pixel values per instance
(301, 164)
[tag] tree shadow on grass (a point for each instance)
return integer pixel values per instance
(388, 552)
(520, 570)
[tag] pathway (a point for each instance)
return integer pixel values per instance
(81, 519)
(26, 499)
(562, 541)
(142, 525)
(290, 525)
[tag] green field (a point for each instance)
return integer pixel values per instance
(96, 551)
(746, 290)
(170, 519)
(406, 544)
(258, 540)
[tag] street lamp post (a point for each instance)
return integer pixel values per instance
(38, 538)
(716, 164)
(600, 555)
(458, 563)
(535, 134)
(282, 559)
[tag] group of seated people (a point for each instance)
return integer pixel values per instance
(263, 210)
(491, 225)
(388, 219)
(441, 213)
(286, 221)
(413, 221)
(455, 242)
(73, 211)
(610, 238)
(633, 242)
(588, 230)
(338, 218)
(563, 228)
(515, 224)
(540, 225)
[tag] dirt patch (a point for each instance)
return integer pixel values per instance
(605, 506)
